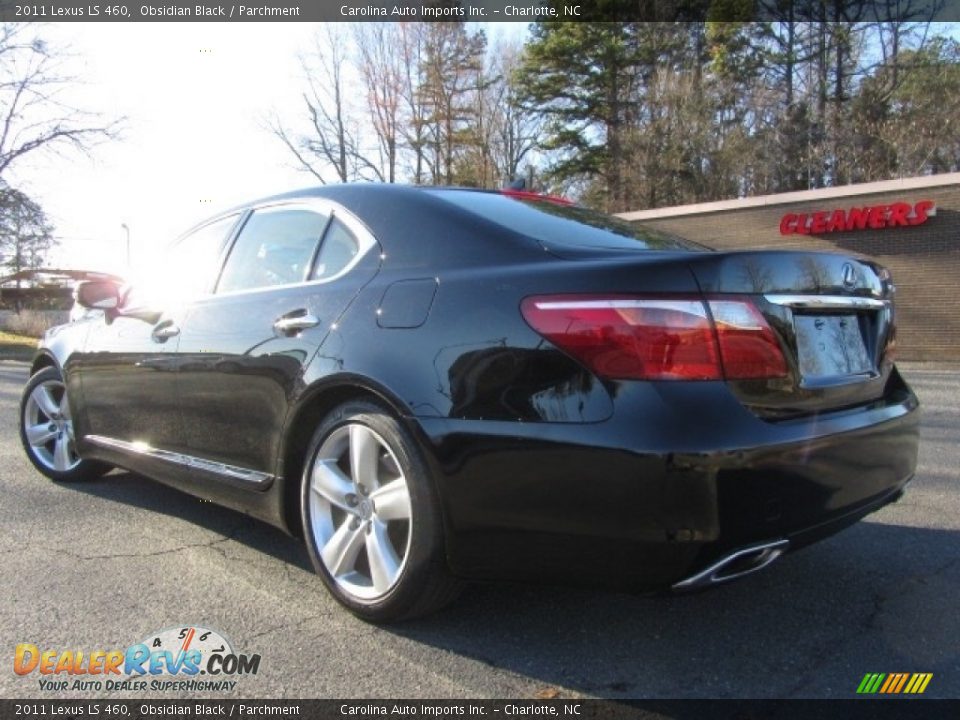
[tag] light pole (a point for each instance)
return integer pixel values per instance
(127, 228)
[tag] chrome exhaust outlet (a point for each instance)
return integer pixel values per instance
(735, 565)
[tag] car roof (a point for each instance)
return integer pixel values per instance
(413, 223)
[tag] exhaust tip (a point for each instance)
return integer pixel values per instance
(735, 565)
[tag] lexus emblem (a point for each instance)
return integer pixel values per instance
(849, 275)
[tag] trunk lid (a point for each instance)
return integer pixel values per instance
(832, 314)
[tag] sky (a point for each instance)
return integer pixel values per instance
(195, 97)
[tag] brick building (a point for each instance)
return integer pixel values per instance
(911, 225)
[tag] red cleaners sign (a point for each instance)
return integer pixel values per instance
(875, 217)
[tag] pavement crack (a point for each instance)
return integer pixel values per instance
(922, 579)
(869, 624)
(287, 626)
(213, 544)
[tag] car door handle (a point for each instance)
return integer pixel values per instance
(291, 323)
(164, 331)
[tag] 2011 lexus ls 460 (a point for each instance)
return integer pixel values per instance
(438, 385)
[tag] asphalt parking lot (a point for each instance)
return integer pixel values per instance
(101, 565)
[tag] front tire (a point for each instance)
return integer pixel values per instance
(46, 430)
(371, 517)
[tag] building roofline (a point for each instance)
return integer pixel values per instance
(909, 183)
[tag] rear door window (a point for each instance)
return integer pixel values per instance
(340, 247)
(274, 248)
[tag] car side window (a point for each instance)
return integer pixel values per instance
(275, 247)
(187, 269)
(339, 248)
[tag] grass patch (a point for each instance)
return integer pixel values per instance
(16, 347)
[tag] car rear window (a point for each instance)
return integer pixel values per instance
(557, 226)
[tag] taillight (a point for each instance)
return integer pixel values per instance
(748, 347)
(630, 337)
(890, 293)
(890, 346)
(658, 338)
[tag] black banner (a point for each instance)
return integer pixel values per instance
(474, 10)
(489, 709)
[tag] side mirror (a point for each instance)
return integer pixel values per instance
(98, 295)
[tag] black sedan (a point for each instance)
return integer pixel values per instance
(438, 385)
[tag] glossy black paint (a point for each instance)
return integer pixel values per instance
(544, 470)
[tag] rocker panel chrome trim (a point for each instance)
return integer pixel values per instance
(255, 478)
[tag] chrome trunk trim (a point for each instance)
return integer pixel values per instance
(253, 477)
(827, 302)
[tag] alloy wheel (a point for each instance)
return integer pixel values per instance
(48, 427)
(360, 511)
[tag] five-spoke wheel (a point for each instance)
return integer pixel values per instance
(46, 429)
(371, 516)
(360, 511)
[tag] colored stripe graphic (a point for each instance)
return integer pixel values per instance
(870, 683)
(903, 680)
(894, 683)
(891, 680)
(918, 683)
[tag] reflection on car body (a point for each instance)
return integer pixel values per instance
(436, 385)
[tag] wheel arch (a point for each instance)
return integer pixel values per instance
(315, 403)
(43, 359)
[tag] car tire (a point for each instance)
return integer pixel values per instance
(46, 430)
(372, 519)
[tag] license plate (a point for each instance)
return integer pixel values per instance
(830, 345)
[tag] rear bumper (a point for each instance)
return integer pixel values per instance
(752, 558)
(676, 479)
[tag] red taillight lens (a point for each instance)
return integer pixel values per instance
(659, 338)
(890, 349)
(748, 346)
(630, 338)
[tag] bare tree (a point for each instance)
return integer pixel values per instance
(335, 140)
(432, 107)
(33, 114)
(414, 106)
(453, 75)
(515, 130)
(381, 56)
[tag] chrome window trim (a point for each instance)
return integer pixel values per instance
(827, 302)
(253, 477)
(365, 240)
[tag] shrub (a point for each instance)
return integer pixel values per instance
(32, 323)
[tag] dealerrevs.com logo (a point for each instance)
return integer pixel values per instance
(185, 658)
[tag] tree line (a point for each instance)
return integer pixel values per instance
(633, 115)
(426, 103)
(620, 115)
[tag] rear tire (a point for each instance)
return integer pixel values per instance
(46, 430)
(372, 519)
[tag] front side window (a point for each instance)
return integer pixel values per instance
(275, 247)
(188, 269)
